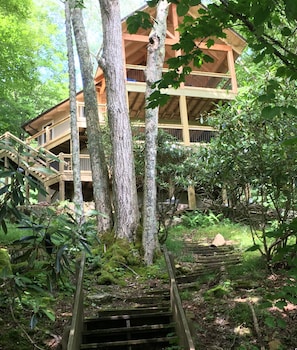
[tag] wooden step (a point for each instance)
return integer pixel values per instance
(134, 311)
(127, 333)
(143, 344)
(137, 328)
(116, 321)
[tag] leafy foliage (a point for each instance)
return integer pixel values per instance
(199, 219)
(24, 61)
(41, 258)
(138, 20)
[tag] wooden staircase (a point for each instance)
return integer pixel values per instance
(207, 259)
(147, 324)
(39, 163)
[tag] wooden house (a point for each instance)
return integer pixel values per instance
(184, 116)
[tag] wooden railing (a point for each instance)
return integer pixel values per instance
(40, 157)
(197, 133)
(66, 160)
(198, 79)
(182, 327)
(61, 128)
(76, 327)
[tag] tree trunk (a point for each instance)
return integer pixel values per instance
(155, 61)
(95, 145)
(124, 183)
(77, 187)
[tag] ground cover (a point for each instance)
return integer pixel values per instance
(225, 311)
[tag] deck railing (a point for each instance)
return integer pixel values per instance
(197, 133)
(196, 79)
(60, 129)
(40, 157)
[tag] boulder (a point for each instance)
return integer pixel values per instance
(218, 241)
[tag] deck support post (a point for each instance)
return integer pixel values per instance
(192, 198)
(186, 139)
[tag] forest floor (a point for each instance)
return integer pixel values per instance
(224, 313)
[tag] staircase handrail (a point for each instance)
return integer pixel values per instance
(75, 333)
(38, 157)
(182, 327)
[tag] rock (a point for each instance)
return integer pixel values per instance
(102, 298)
(218, 241)
(275, 345)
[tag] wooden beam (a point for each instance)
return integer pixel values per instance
(184, 119)
(145, 39)
(216, 47)
(218, 94)
(230, 59)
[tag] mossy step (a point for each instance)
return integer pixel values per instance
(220, 258)
(208, 249)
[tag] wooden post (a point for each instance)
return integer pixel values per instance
(186, 139)
(224, 196)
(184, 119)
(61, 181)
(61, 189)
(192, 198)
(231, 66)
(48, 195)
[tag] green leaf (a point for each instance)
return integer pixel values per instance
(270, 321)
(210, 42)
(291, 9)
(50, 314)
(253, 248)
(266, 97)
(152, 3)
(270, 112)
(182, 9)
(280, 304)
(139, 20)
(281, 323)
(157, 99)
(286, 31)
(194, 2)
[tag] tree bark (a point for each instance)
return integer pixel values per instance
(155, 61)
(77, 187)
(124, 183)
(95, 145)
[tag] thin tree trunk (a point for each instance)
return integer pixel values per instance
(124, 183)
(155, 61)
(77, 187)
(95, 145)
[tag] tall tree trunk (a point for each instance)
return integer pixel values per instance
(124, 183)
(95, 145)
(155, 61)
(77, 187)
